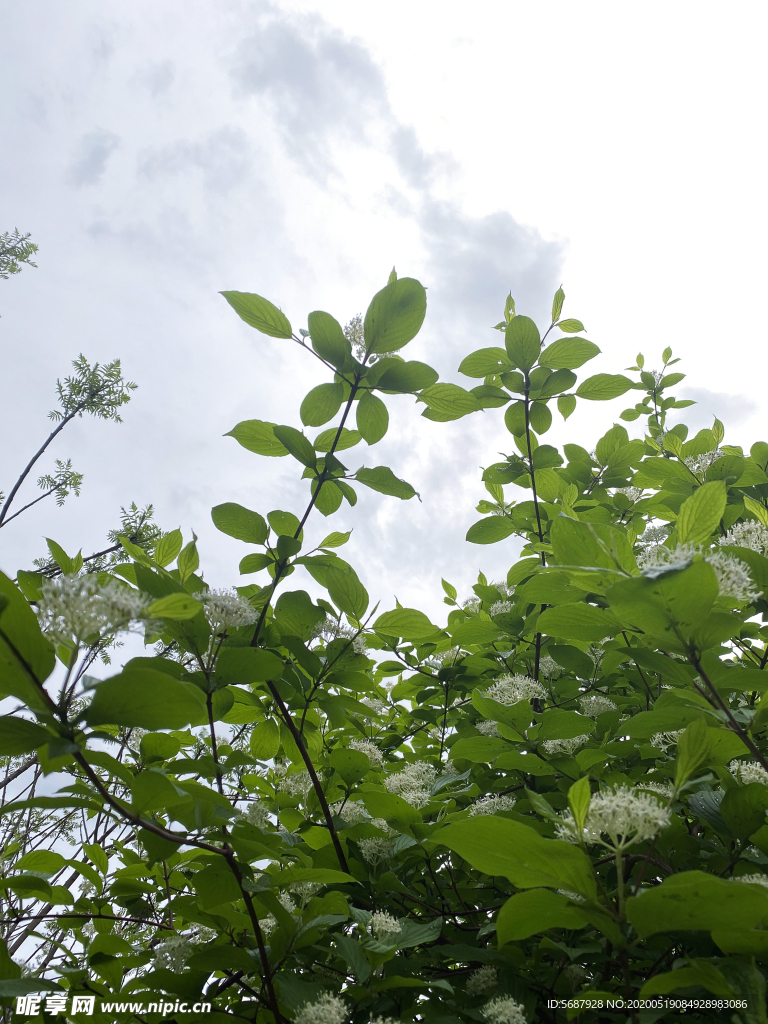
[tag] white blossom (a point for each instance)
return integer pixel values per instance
(595, 704)
(500, 608)
(492, 803)
(375, 851)
(172, 954)
(565, 746)
(699, 464)
(623, 815)
(504, 1010)
(748, 771)
(225, 609)
(548, 667)
(512, 689)
(503, 589)
(297, 784)
(358, 644)
(413, 783)
(664, 740)
(472, 605)
(664, 789)
(482, 980)
(633, 493)
(384, 924)
(352, 812)
(733, 578)
(305, 890)
(487, 728)
(379, 707)
(754, 879)
(749, 534)
(382, 826)
(79, 607)
(328, 1009)
(654, 535)
(331, 629)
(258, 813)
(371, 751)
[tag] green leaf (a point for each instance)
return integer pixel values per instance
(568, 353)
(523, 342)
(448, 401)
(346, 439)
(579, 799)
(700, 514)
(499, 846)
(479, 749)
(351, 765)
(395, 315)
(335, 540)
(701, 975)
(20, 736)
(407, 377)
(578, 622)
(247, 665)
(260, 313)
(476, 631)
(239, 522)
(382, 479)
(297, 444)
(485, 362)
(407, 623)
(563, 725)
(285, 524)
(693, 900)
(146, 699)
(570, 326)
(259, 437)
(321, 404)
(529, 913)
(603, 386)
(490, 530)
(168, 548)
(693, 751)
(328, 339)
(265, 740)
(372, 418)
(743, 809)
(255, 563)
(346, 591)
(175, 607)
(296, 615)
(60, 557)
(25, 654)
(557, 304)
(158, 746)
(758, 510)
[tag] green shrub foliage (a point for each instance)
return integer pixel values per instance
(308, 809)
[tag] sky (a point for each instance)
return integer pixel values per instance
(164, 151)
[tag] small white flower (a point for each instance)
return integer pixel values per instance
(375, 851)
(472, 605)
(172, 954)
(77, 606)
(512, 689)
(548, 667)
(733, 578)
(504, 1010)
(384, 924)
(699, 464)
(225, 610)
(382, 826)
(565, 746)
(664, 740)
(297, 784)
(413, 783)
(754, 879)
(258, 814)
(664, 789)
(306, 890)
(492, 803)
(748, 771)
(487, 728)
(654, 535)
(358, 644)
(633, 493)
(328, 1009)
(445, 657)
(622, 814)
(379, 707)
(352, 812)
(500, 608)
(482, 980)
(749, 534)
(595, 704)
(331, 629)
(371, 751)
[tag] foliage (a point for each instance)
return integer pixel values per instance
(16, 250)
(313, 812)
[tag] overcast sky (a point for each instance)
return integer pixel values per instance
(162, 151)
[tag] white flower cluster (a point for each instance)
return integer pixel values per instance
(568, 746)
(633, 493)
(352, 812)
(665, 740)
(492, 803)
(504, 1010)
(358, 644)
(654, 535)
(382, 826)
(753, 879)
(331, 629)
(699, 464)
(413, 783)
(664, 789)
(384, 924)
(482, 980)
(328, 1009)
(305, 890)
(487, 728)
(748, 771)
(225, 609)
(445, 657)
(471, 605)
(548, 667)
(733, 578)
(500, 608)
(378, 707)
(595, 704)
(172, 954)
(77, 606)
(371, 751)
(297, 784)
(257, 813)
(355, 335)
(375, 851)
(512, 689)
(749, 534)
(622, 815)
